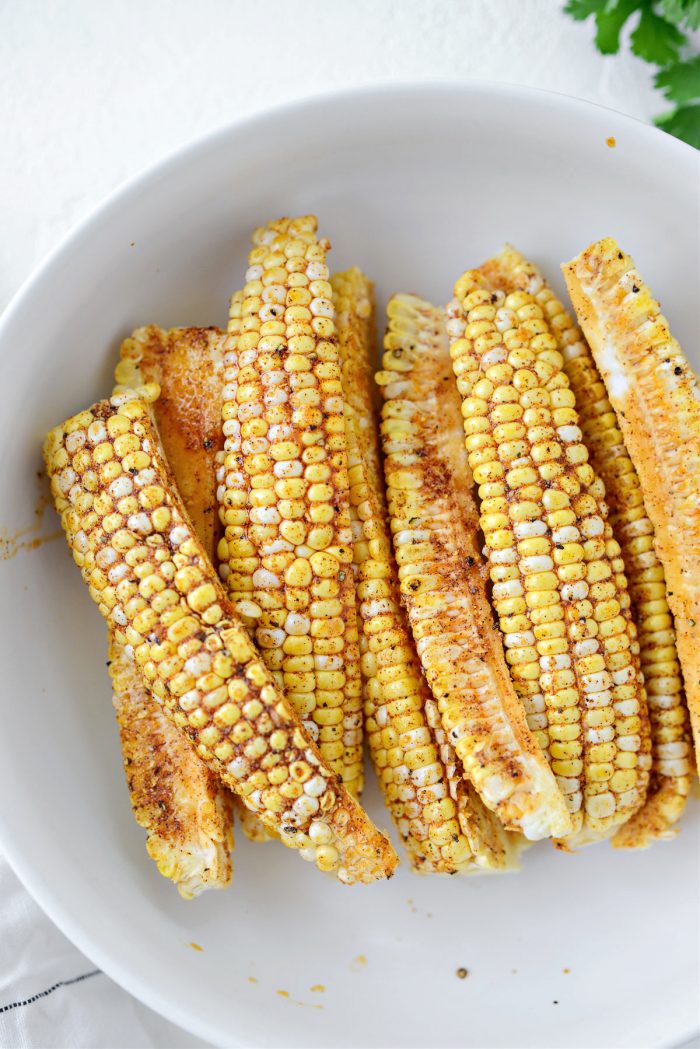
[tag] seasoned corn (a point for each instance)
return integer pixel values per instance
(434, 523)
(162, 769)
(443, 825)
(188, 366)
(558, 581)
(670, 727)
(181, 804)
(656, 399)
(151, 580)
(287, 547)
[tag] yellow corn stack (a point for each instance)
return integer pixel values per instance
(188, 366)
(670, 728)
(559, 585)
(148, 574)
(442, 822)
(180, 803)
(656, 399)
(443, 582)
(287, 547)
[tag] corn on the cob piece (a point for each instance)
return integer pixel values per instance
(559, 585)
(443, 583)
(670, 728)
(657, 403)
(188, 366)
(178, 801)
(443, 825)
(147, 572)
(287, 546)
(162, 768)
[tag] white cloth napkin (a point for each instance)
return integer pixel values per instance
(51, 995)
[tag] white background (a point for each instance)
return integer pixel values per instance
(92, 91)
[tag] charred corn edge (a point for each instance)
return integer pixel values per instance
(425, 804)
(657, 403)
(466, 671)
(542, 505)
(189, 834)
(165, 604)
(129, 376)
(670, 727)
(288, 539)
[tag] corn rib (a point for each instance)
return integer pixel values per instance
(434, 524)
(162, 768)
(656, 399)
(188, 366)
(181, 805)
(287, 548)
(148, 574)
(559, 585)
(670, 728)
(444, 827)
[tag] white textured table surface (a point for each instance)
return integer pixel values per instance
(91, 93)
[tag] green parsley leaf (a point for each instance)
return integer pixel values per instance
(581, 9)
(680, 82)
(609, 22)
(685, 13)
(656, 40)
(683, 122)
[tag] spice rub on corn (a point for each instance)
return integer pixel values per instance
(287, 546)
(443, 824)
(434, 524)
(148, 574)
(559, 585)
(656, 400)
(672, 765)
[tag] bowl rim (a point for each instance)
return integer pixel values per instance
(66, 919)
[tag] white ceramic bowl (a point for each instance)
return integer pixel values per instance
(414, 184)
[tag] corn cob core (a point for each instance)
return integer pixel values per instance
(559, 585)
(655, 396)
(434, 526)
(670, 727)
(443, 828)
(151, 580)
(179, 802)
(287, 549)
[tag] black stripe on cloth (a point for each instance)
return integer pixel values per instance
(49, 990)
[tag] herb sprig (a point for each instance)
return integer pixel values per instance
(659, 37)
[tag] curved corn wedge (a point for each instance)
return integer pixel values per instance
(287, 548)
(443, 584)
(183, 836)
(188, 366)
(657, 403)
(148, 574)
(670, 726)
(443, 824)
(179, 802)
(559, 585)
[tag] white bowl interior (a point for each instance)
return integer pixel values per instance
(414, 185)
